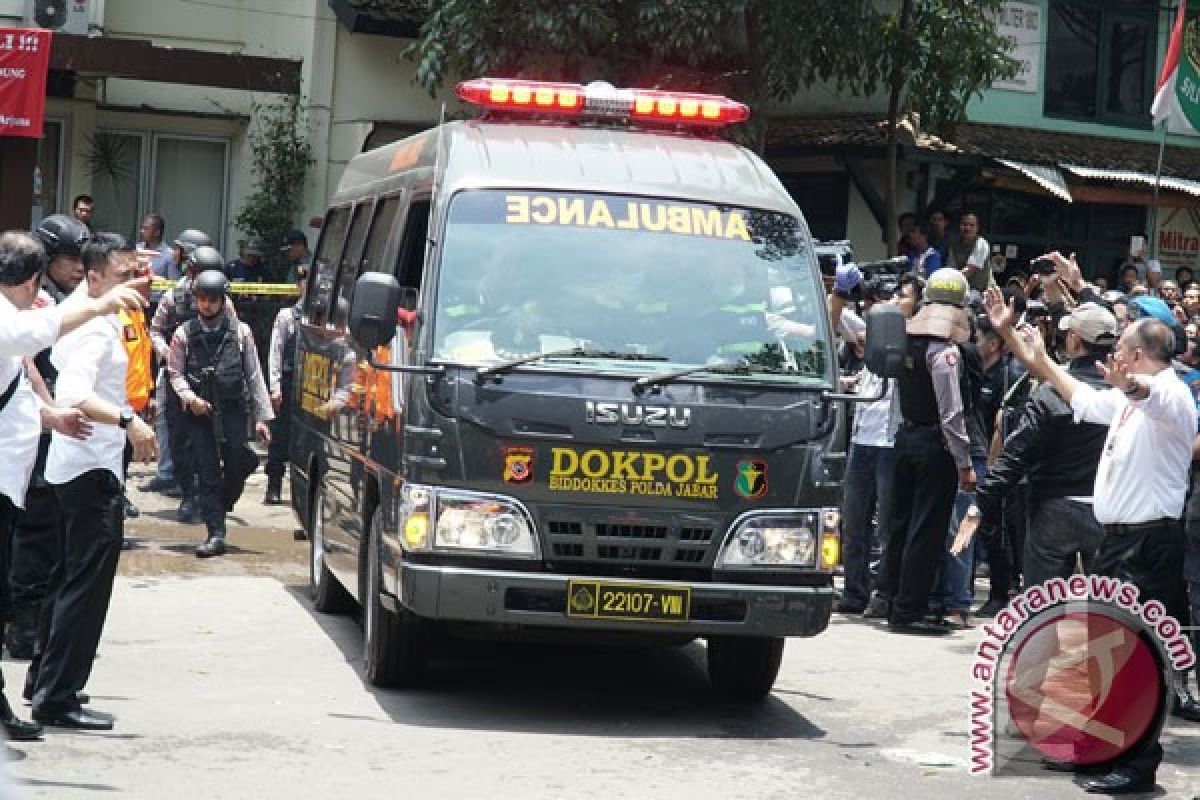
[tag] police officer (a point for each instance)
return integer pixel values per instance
(175, 308)
(281, 364)
(933, 453)
(213, 366)
(36, 545)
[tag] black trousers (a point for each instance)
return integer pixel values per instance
(1060, 530)
(8, 518)
(181, 448)
(36, 548)
(207, 459)
(922, 504)
(81, 586)
(1151, 560)
(281, 431)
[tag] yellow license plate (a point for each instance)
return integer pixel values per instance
(601, 600)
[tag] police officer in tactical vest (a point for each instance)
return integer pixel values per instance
(36, 543)
(175, 308)
(213, 367)
(933, 454)
(281, 366)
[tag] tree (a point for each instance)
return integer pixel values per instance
(933, 56)
(282, 157)
(930, 55)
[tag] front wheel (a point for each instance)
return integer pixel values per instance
(744, 667)
(329, 596)
(394, 643)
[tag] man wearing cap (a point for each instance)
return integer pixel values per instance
(248, 267)
(933, 453)
(1141, 482)
(295, 247)
(1060, 457)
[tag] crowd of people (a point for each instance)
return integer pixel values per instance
(90, 381)
(1052, 422)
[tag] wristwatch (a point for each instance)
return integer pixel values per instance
(126, 418)
(973, 512)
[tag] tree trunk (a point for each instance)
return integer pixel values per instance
(896, 82)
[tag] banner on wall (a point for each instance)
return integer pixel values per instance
(24, 63)
(1179, 238)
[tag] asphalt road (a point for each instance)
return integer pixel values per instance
(226, 684)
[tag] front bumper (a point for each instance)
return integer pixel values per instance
(539, 599)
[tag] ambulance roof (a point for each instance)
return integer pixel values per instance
(482, 154)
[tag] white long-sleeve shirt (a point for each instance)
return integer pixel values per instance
(22, 333)
(91, 361)
(282, 334)
(1143, 472)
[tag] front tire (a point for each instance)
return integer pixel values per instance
(329, 596)
(744, 668)
(395, 644)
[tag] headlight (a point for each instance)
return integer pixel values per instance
(778, 539)
(465, 522)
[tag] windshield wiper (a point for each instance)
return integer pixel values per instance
(742, 367)
(575, 352)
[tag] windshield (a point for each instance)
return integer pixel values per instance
(692, 284)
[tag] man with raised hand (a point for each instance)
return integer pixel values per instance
(1141, 482)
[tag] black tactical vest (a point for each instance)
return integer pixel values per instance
(918, 403)
(220, 351)
(289, 344)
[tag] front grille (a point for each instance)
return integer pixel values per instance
(612, 540)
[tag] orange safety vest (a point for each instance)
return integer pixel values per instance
(139, 378)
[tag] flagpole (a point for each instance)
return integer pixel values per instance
(1162, 146)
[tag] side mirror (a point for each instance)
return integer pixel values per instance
(377, 297)
(887, 340)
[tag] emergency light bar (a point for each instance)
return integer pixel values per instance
(602, 100)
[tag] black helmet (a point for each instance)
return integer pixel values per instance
(210, 282)
(62, 235)
(190, 239)
(205, 258)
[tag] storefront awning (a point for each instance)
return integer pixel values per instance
(1130, 176)
(1047, 177)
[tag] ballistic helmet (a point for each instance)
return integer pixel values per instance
(62, 235)
(211, 282)
(205, 258)
(947, 286)
(190, 239)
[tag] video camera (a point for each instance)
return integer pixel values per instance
(881, 278)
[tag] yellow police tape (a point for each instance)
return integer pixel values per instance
(277, 289)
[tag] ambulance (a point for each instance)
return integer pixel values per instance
(566, 370)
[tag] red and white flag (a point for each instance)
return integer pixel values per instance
(1177, 98)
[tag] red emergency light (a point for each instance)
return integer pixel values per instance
(603, 100)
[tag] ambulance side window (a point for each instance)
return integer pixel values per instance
(410, 264)
(348, 273)
(381, 231)
(325, 263)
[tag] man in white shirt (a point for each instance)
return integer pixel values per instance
(87, 477)
(1141, 482)
(161, 256)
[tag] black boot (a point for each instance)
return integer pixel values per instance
(274, 491)
(187, 512)
(215, 546)
(18, 729)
